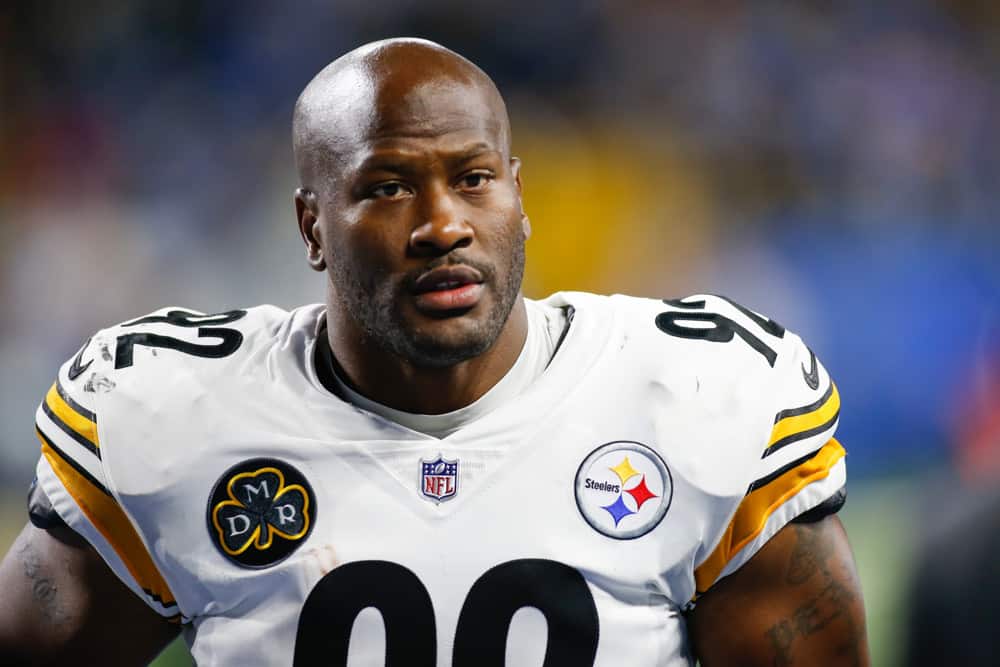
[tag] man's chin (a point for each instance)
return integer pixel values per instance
(441, 354)
(444, 342)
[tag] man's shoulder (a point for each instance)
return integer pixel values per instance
(174, 351)
(708, 352)
(136, 390)
(180, 337)
(706, 331)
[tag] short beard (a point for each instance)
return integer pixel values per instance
(374, 307)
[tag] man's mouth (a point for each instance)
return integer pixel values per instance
(452, 287)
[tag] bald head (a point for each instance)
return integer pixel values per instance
(404, 87)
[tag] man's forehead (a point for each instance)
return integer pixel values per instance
(430, 110)
(397, 93)
(442, 120)
(433, 106)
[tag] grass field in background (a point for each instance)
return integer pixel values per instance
(877, 516)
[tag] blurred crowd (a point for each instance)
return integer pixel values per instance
(833, 164)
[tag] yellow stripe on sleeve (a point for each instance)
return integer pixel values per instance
(108, 518)
(799, 423)
(85, 427)
(757, 507)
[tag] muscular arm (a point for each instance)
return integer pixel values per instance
(796, 602)
(61, 604)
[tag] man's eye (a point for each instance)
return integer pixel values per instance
(475, 181)
(387, 191)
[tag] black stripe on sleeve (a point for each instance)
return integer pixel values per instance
(68, 430)
(767, 479)
(829, 506)
(801, 435)
(795, 412)
(82, 411)
(76, 466)
(156, 598)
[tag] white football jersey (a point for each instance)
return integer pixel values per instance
(664, 444)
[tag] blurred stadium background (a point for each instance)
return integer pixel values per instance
(832, 164)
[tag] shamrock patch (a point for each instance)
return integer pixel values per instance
(260, 511)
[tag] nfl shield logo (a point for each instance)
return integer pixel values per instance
(439, 479)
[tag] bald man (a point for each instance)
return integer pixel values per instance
(427, 468)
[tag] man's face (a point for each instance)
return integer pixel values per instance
(422, 227)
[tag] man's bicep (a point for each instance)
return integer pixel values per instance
(61, 602)
(797, 601)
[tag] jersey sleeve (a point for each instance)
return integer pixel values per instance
(72, 476)
(800, 467)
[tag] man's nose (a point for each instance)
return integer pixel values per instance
(443, 227)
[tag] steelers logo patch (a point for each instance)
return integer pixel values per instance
(623, 489)
(260, 511)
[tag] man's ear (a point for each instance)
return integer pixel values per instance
(515, 169)
(307, 212)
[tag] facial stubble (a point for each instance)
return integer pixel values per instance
(374, 302)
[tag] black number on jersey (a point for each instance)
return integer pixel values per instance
(329, 612)
(558, 591)
(722, 330)
(230, 339)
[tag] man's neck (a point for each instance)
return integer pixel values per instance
(387, 379)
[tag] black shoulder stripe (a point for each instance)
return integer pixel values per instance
(65, 428)
(156, 598)
(795, 412)
(801, 435)
(76, 466)
(767, 479)
(84, 412)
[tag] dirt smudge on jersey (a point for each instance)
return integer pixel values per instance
(323, 558)
(98, 382)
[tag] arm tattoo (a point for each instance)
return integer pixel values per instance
(813, 560)
(811, 554)
(43, 588)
